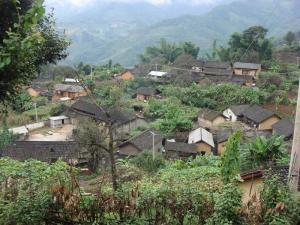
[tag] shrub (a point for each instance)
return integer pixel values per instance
(146, 162)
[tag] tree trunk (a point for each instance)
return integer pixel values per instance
(114, 175)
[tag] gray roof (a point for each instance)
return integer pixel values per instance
(41, 150)
(147, 91)
(92, 110)
(218, 71)
(209, 114)
(68, 88)
(258, 114)
(201, 135)
(284, 128)
(181, 147)
(223, 135)
(217, 64)
(238, 109)
(252, 66)
(144, 141)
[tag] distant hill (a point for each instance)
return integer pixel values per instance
(97, 37)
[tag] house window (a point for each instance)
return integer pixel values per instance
(203, 152)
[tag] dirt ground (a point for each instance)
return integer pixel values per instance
(51, 134)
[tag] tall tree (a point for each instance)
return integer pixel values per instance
(168, 52)
(27, 41)
(190, 49)
(250, 46)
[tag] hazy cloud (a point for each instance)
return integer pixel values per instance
(80, 3)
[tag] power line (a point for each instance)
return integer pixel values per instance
(255, 39)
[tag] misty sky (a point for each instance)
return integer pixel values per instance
(81, 3)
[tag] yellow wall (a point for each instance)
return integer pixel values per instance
(245, 186)
(127, 76)
(267, 124)
(32, 92)
(221, 148)
(219, 120)
(203, 147)
(247, 72)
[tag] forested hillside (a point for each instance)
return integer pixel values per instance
(101, 41)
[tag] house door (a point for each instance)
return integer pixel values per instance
(63, 121)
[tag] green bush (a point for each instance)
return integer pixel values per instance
(146, 162)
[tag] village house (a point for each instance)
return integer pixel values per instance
(203, 139)
(250, 184)
(243, 80)
(140, 143)
(251, 181)
(45, 151)
(221, 140)
(180, 150)
(217, 71)
(123, 121)
(67, 90)
(126, 75)
(144, 93)
(157, 75)
(35, 91)
(249, 69)
(260, 118)
(210, 119)
(58, 121)
(235, 112)
(284, 128)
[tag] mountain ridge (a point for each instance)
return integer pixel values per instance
(217, 24)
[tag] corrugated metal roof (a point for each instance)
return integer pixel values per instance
(199, 135)
(157, 73)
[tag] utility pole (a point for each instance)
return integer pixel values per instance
(298, 58)
(153, 144)
(295, 155)
(91, 72)
(36, 116)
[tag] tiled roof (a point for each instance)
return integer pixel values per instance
(284, 128)
(209, 115)
(68, 88)
(238, 109)
(257, 114)
(41, 150)
(99, 112)
(181, 147)
(241, 65)
(144, 141)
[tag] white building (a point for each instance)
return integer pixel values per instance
(157, 75)
(58, 121)
(234, 112)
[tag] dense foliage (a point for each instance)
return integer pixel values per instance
(28, 41)
(168, 52)
(180, 193)
(249, 46)
(215, 96)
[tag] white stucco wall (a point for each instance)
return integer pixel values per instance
(230, 115)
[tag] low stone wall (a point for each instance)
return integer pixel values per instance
(35, 126)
